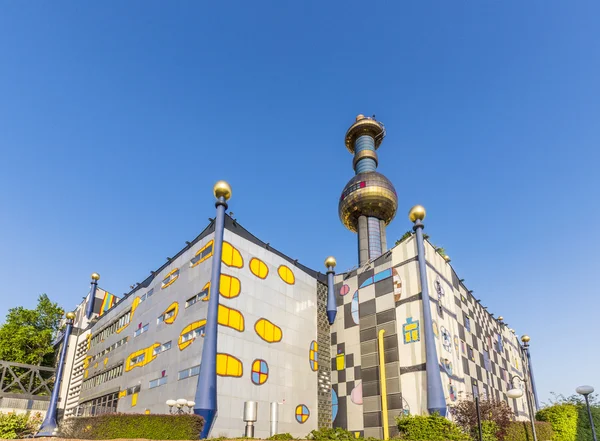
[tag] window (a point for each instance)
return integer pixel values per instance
(141, 329)
(170, 278)
(142, 298)
(200, 296)
(133, 389)
(198, 332)
(486, 361)
(470, 353)
(109, 349)
(102, 377)
(167, 315)
(467, 322)
(202, 254)
(158, 382)
(149, 293)
(189, 372)
(115, 326)
(138, 359)
(499, 343)
(162, 348)
(97, 406)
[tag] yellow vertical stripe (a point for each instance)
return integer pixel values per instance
(384, 405)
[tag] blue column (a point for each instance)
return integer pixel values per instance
(89, 308)
(331, 304)
(49, 425)
(365, 142)
(206, 390)
(436, 402)
(535, 396)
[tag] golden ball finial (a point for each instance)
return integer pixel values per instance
(222, 189)
(70, 315)
(330, 262)
(417, 212)
(360, 116)
(500, 318)
(525, 339)
(447, 258)
(95, 276)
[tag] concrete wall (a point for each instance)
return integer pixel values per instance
(291, 306)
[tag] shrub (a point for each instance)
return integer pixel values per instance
(336, 433)
(281, 437)
(14, 426)
(521, 431)
(498, 412)
(563, 418)
(133, 425)
(430, 428)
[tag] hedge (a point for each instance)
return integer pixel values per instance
(133, 425)
(570, 421)
(14, 425)
(521, 431)
(430, 428)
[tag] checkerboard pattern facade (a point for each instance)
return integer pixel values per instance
(477, 353)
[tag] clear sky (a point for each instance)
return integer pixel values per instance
(116, 119)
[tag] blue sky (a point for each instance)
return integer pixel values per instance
(116, 118)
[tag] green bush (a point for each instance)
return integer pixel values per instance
(430, 428)
(281, 437)
(133, 425)
(563, 418)
(336, 433)
(14, 426)
(489, 429)
(521, 431)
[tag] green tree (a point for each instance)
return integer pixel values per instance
(27, 334)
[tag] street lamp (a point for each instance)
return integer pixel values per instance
(518, 393)
(179, 404)
(586, 391)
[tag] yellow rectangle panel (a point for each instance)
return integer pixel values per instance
(134, 399)
(340, 362)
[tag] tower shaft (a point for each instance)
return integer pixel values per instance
(369, 200)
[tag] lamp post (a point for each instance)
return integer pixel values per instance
(586, 391)
(518, 393)
(436, 401)
(478, 417)
(49, 425)
(206, 389)
(178, 405)
(89, 308)
(525, 348)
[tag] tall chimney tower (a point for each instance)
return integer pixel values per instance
(369, 201)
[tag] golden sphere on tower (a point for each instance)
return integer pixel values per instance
(95, 276)
(70, 315)
(500, 318)
(330, 262)
(222, 189)
(417, 212)
(360, 116)
(525, 339)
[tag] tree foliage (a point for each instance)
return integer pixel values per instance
(15, 426)
(27, 334)
(404, 237)
(496, 412)
(569, 417)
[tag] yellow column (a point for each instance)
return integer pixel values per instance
(384, 408)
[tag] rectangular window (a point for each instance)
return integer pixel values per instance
(471, 353)
(486, 361)
(467, 322)
(142, 298)
(463, 347)
(141, 330)
(136, 360)
(200, 257)
(200, 296)
(499, 343)
(158, 382)
(189, 372)
(149, 293)
(162, 348)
